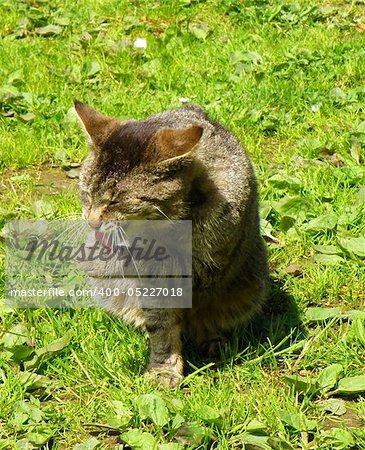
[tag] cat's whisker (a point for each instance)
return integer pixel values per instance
(115, 244)
(162, 213)
(121, 231)
(73, 226)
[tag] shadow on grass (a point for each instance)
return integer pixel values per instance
(277, 328)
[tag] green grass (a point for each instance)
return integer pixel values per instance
(288, 79)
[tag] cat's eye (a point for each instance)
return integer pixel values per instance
(113, 203)
(150, 199)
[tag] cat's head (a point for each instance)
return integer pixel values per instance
(136, 169)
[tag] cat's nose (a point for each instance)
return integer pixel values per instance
(93, 218)
(95, 224)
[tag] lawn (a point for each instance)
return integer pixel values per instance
(288, 79)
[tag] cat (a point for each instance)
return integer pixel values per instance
(180, 164)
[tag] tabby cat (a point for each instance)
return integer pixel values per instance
(181, 164)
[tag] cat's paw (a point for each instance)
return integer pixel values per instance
(164, 376)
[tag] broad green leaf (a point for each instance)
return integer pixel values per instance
(337, 93)
(302, 384)
(283, 182)
(49, 30)
(174, 404)
(73, 173)
(358, 330)
(324, 222)
(329, 376)
(335, 439)
(286, 223)
(360, 196)
(120, 409)
(49, 350)
(91, 444)
(177, 421)
(318, 314)
(353, 245)
(335, 406)
(253, 57)
(139, 440)
(91, 68)
(153, 407)
(361, 127)
(27, 117)
(279, 444)
(63, 21)
(210, 415)
(15, 336)
(153, 67)
(130, 22)
(191, 433)
(328, 260)
(32, 381)
(256, 427)
(57, 345)
(42, 208)
(354, 314)
(40, 436)
(353, 175)
(257, 442)
(327, 249)
(351, 385)
(199, 30)
(24, 178)
(121, 416)
(22, 444)
(295, 207)
(264, 442)
(348, 215)
(171, 446)
(16, 77)
(236, 57)
(26, 411)
(355, 149)
(297, 420)
(22, 353)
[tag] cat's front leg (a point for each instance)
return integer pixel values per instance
(164, 328)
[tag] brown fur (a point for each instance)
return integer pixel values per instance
(182, 165)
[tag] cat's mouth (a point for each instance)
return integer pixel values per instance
(105, 239)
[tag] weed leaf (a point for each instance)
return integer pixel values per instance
(297, 421)
(329, 376)
(318, 314)
(191, 433)
(324, 222)
(87, 445)
(336, 439)
(351, 385)
(354, 245)
(302, 384)
(139, 440)
(49, 350)
(49, 30)
(153, 407)
(210, 415)
(335, 406)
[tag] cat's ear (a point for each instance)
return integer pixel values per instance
(176, 143)
(94, 124)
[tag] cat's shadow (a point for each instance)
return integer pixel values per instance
(274, 330)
